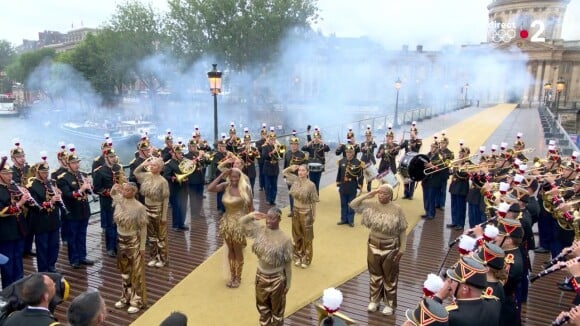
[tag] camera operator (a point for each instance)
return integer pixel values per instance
(37, 292)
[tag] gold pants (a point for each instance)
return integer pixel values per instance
(302, 234)
(157, 233)
(271, 297)
(131, 265)
(384, 272)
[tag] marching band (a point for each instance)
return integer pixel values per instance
(504, 188)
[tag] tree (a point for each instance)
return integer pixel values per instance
(237, 32)
(6, 54)
(21, 69)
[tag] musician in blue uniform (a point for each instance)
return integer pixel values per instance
(413, 144)
(249, 154)
(75, 189)
(447, 156)
(20, 175)
(349, 180)
(177, 189)
(272, 155)
(45, 218)
(368, 153)
(12, 226)
(459, 188)
(387, 153)
(431, 183)
(293, 157)
(259, 144)
(104, 177)
(168, 148)
(316, 150)
(350, 140)
(61, 155)
(196, 179)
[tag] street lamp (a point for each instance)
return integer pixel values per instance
(466, 88)
(215, 86)
(560, 85)
(397, 87)
(547, 89)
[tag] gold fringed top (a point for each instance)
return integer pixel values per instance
(302, 190)
(273, 247)
(131, 217)
(153, 187)
(386, 219)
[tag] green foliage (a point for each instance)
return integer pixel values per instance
(21, 69)
(238, 32)
(6, 54)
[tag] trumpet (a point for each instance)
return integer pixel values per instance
(118, 174)
(525, 150)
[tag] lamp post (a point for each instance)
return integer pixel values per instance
(397, 87)
(215, 86)
(560, 85)
(547, 88)
(466, 98)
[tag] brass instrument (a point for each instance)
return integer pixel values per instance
(576, 225)
(445, 165)
(525, 150)
(118, 174)
(186, 167)
(279, 150)
(209, 156)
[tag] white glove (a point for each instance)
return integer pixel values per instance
(337, 188)
(357, 192)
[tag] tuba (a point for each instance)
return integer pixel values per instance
(186, 167)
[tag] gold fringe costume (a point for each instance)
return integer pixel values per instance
(274, 275)
(233, 234)
(131, 219)
(305, 196)
(155, 189)
(387, 239)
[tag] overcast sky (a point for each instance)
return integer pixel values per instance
(393, 23)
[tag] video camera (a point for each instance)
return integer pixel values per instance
(11, 298)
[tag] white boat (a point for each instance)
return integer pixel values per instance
(120, 131)
(7, 108)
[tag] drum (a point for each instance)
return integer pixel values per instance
(315, 167)
(370, 171)
(388, 177)
(412, 166)
(404, 164)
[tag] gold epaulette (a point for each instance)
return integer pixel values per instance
(133, 161)
(167, 162)
(488, 294)
(97, 158)
(29, 182)
(97, 168)
(451, 307)
(61, 175)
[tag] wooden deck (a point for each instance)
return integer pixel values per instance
(426, 247)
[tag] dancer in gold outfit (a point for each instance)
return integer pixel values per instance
(131, 219)
(274, 275)
(155, 190)
(386, 244)
(238, 201)
(305, 196)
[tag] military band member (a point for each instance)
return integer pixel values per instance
(350, 140)
(386, 244)
(100, 160)
(168, 148)
(368, 152)
(466, 282)
(519, 146)
(316, 150)
(46, 217)
(387, 153)
(177, 188)
(259, 144)
(349, 180)
(431, 183)
(493, 257)
(196, 180)
(274, 275)
(272, 155)
(428, 312)
(131, 219)
(143, 152)
(104, 177)
(12, 226)
(249, 154)
(233, 143)
(413, 144)
(459, 188)
(293, 157)
(20, 174)
(75, 189)
(61, 156)
(155, 191)
(447, 156)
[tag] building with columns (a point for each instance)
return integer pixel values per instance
(535, 27)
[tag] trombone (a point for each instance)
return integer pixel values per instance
(279, 150)
(445, 165)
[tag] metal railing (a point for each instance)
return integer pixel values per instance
(553, 130)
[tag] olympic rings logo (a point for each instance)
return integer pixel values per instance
(502, 35)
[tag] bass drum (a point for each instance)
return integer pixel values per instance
(404, 164)
(417, 167)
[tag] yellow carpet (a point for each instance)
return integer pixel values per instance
(339, 252)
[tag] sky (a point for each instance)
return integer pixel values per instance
(427, 22)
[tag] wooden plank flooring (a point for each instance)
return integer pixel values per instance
(427, 245)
